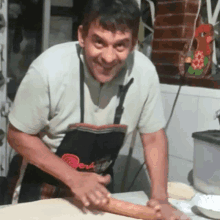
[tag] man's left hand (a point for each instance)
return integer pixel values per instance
(167, 211)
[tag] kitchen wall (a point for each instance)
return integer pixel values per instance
(194, 111)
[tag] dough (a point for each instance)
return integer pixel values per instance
(181, 191)
(54, 209)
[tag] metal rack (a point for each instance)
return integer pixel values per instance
(4, 104)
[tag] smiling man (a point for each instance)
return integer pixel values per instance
(106, 51)
(80, 101)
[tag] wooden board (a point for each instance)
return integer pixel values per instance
(54, 209)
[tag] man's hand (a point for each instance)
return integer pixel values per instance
(87, 187)
(90, 188)
(167, 211)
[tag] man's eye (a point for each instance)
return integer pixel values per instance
(120, 46)
(99, 42)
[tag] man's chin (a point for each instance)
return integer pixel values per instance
(104, 79)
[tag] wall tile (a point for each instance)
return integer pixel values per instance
(168, 100)
(141, 183)
(182, 124)
(185, 90)
(206, 111)
(179, 169)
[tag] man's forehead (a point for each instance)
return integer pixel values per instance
(97, 27)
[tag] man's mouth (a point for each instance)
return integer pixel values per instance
(106, 67)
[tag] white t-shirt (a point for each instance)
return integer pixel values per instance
(48, 98)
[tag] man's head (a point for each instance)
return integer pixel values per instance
(108, 35)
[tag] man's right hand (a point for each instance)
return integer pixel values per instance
(87, 187)
(90, 188)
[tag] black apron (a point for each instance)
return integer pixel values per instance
(85, 147)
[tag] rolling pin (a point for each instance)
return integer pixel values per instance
(128, 209)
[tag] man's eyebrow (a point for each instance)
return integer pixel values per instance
(97, 36)
(124, 40)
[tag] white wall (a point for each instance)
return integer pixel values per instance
(194, 111)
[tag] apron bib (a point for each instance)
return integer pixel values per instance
(85, 147)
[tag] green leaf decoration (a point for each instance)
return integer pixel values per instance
(192, 56)
(191, 70)
(198, 72)
(206, 60)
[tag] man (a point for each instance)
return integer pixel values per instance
(78, 103)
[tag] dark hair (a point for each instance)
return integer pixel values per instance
(113, 15)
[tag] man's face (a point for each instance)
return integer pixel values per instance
(105, 51)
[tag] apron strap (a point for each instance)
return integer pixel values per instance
(122, 93)
(81, 92)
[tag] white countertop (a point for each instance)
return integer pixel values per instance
(139, 197)
(188, 207)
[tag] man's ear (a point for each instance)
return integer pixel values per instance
(80, 36)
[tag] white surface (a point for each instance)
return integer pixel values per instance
(194, 112)
(183, 205)
(179, 168)
(191, 91)
(182, 124)
(206, 204)
(210, 202)
(206, 111)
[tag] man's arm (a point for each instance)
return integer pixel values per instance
(36, 152)
(156, 157)
(87, 187)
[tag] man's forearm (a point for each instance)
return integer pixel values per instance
(156, 157)
(36, 152)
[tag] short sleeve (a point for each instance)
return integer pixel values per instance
(30, 109)
(152, 116)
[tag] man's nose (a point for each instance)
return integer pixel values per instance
(109, 56)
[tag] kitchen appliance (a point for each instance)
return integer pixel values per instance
(206, 166)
